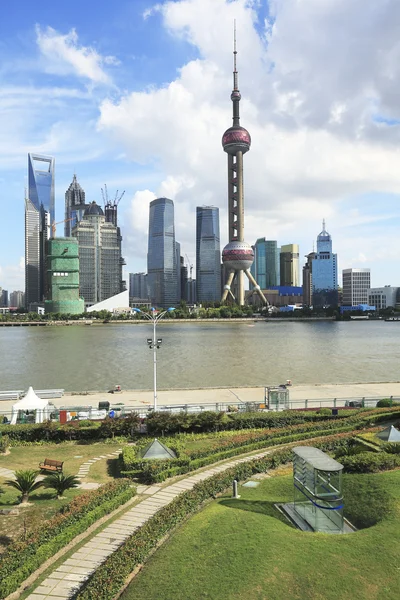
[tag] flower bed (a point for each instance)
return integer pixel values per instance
(23, 557)
(110, 577)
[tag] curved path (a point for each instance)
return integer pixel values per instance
(64, 581)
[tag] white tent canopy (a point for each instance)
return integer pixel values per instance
(31, 403)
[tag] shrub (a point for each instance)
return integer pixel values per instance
(23, 557)
(370, 462)
(366, 501)
(4, 443)
(385, 402)
(108, 579)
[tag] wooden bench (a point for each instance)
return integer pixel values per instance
(51, 465)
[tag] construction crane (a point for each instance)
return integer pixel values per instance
(190, 265)
(111, 201)
(54, 224)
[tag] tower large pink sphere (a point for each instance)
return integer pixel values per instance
(238, 256)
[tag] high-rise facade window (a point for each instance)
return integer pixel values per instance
(289, 263)
(161, 255)
(138, 287)
(356, 283)
(208, 254)
(266, 266)
(324, 272)
(74, 206)
(39, 215)
(99, 256)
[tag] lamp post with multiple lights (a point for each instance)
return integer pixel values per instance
(154, 343)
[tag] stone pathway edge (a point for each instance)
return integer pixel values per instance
(66, 580)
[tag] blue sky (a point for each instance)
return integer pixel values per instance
(136, 95)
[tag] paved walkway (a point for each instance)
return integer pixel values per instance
(67, 578)
(143, 399)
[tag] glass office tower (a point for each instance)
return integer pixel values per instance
(39, 214)
(161, 255)
(324, 272)
(208, 254)
(266, 266)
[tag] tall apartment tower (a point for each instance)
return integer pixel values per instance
(237, 256)
(266, 265)
(308, 280)
(324, 272)
(289, 265)
(17, 299)
(356, 283)
(39, 215)
(208, 254)
(99, 256)
(138, 287)
(74, 206)
(161, 255)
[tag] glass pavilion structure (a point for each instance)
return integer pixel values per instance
(208, 254)
(318, 495)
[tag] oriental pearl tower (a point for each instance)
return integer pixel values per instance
(237, 256)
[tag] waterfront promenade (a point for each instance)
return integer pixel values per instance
(143, 399)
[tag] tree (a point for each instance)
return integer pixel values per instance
(26, 483)
(60, 483)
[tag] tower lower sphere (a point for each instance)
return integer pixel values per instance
(237, 256)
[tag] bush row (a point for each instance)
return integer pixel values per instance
(171, 423)
(51, 431)
(156, 471)
(370, 462)
(109, 578)
(23, 557)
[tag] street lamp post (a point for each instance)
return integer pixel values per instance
(154, 343)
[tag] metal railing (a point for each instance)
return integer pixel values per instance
(91, 412)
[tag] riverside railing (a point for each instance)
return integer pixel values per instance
(92, 413)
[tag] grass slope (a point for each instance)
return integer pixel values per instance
(244, 549)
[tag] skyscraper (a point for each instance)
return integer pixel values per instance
(63, 277)
(289, 261)
(138, 287)
(324, 272)
(208, 254)
(237, 255)
(39, 215)
(307, 280)
(99, 256)
(266, 265)
(161, 255)
(356, 283)
(74, 206)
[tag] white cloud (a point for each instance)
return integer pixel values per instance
(13, 275)
(64, 55)
(308, 96)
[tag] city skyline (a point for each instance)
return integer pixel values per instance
(96, 92)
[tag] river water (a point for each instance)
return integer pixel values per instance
(199, 354)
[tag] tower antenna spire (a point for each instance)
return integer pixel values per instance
(235, 73)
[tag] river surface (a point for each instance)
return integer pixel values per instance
(192, 355)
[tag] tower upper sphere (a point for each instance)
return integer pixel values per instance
(236, 139)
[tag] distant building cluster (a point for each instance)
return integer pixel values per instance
(83, 269)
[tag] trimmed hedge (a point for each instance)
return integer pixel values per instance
(51, 431)
(370, 462)
(23, 557)
(157, 471)
(109, 578)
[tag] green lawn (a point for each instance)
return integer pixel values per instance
(43, 503)
(244, 549)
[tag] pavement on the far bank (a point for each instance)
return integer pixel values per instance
(140, 399)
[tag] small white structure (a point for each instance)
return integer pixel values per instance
(32, 406)
(115, 303)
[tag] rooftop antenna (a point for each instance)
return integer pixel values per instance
(235, 73)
